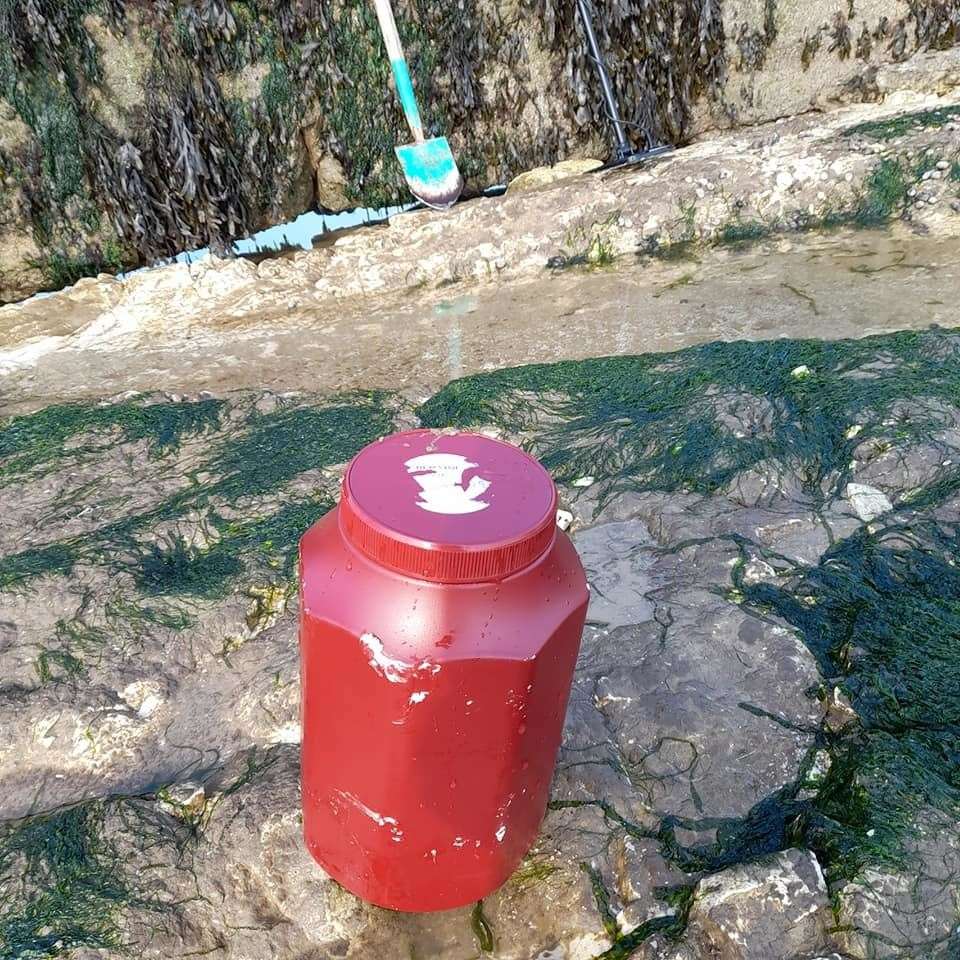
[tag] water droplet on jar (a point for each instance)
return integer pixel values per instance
(453, 784)
(522, 728)
(526, 765)
(349, 565)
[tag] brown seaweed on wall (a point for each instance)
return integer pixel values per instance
(662, 56)
(936, 23)
(237, 99)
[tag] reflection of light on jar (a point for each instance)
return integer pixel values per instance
(455, 349)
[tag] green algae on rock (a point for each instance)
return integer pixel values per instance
(66, 884)
(878, 610)
(894, 127)
(765, 591)
(108, 873)
(259, 455)
(44, 440)
(651, 422)
(134, 562)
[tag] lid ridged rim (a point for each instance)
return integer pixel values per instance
(444, 563)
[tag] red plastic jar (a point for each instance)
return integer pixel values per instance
(441, 615)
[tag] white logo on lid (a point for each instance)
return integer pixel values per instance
(440, 476)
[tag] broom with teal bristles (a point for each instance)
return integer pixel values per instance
(428, 165)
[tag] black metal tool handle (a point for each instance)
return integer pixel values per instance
(624, 150)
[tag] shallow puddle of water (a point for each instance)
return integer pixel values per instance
(840, 285)
(616, 557)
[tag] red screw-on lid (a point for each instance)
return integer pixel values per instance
(448, 507)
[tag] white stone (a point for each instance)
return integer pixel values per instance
(868, 502)
(758, 571)
(288, 733)
(151, 703)
(42, 732)
(784, 180)
(182, 800)
(143, 696)
(587, 947)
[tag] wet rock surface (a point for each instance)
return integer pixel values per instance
(167, 330)
(763, 727)
(892, 912)
(775, 909)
